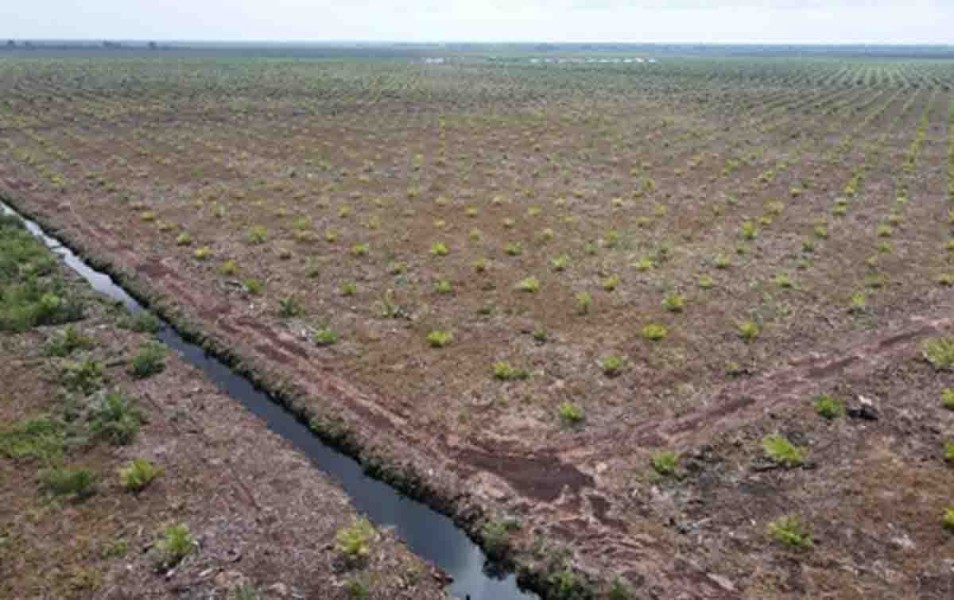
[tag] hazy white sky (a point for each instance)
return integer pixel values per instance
(748, 21)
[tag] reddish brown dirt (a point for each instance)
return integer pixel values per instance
(587, 492)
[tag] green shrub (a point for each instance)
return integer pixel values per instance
(149, 361)
(439, 338)
(505, 372)
(560, 263)
(174, 544)
(782, 452)
(722, 262)
(183, 239)
(583, 303)
(84, 376)
(530, 284)
(949, 451)
(654, 332)
(138, 474)
(68, 481)
(784, 281)
(571, 414)
(749, 231)
(859, 303)
(229, 268)
(325, 336)
(513, 249)
(69, 341)
(42, 438)
(665, 463)
(947, 398)
(947, 521)
(439, 249)
(357, 589)
(202, 253)
(674, 302)
(115, 418)
(288, 307)
(612, 365)
(353, 543)
(144, 322)
(790, 531)
(495, 535)
(256, 234)
(828, 408)
(253, 286)
(939, 352)
(749, 330)
(443, 286)
(610, 283)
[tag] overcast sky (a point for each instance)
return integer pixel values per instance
(744, 21)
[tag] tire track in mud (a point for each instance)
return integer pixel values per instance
(739, 401)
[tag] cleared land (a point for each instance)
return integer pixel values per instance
(527, 283)
(125, 474)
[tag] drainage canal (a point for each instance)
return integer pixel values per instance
(429, 534)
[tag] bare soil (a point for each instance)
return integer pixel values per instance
(324, 171)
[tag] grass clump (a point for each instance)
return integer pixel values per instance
(84, 376)
(42, 438)
(74, 482)
(749, 330)
(947, 521)
(790, 531)
(828, 407)
(229, 268)
(610, 283)
(439, 338)
(256, 234)
(612, 365)
(513, 249)
(939, 352)
(495, 535)
(782, 452)
(858, 303)
(149, 361)
(138, 474)
(674, 302)
(665, 463)
(174, 544)
(654, 332)
(947, 398)
(353, 543)
(253, 286)
(571, 414)
(325, 336)
(439, 249)
(530, 285)
(289, 307)
(504, 371)
(143, 322)
(116, 419)
(69, 341)
(584, 301)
